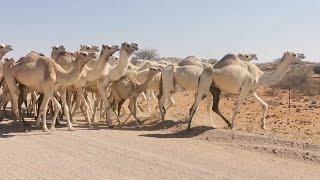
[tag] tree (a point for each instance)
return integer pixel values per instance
(147, 54)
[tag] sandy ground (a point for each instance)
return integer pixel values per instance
(289, 150)
(301, 124)
(101, 153)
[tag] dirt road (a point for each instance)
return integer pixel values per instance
(124, 154)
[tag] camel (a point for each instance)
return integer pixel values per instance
(87, 48)
(111, 74)
(192, 60)
(236, 76)
(93, 74)
(172, 77)
(44, 75)
(247, 57)
(128, 88)
(4, 49)
(140, 74)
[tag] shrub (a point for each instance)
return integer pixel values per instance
(316, 69)
(298, 79)
(147, 54)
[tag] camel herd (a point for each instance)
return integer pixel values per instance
(65, 80)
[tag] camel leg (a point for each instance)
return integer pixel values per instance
(152, 94)
(103, 94)
(95, 106)
(208, 101)
(193, 108)
(63, 95)
(43, 109)
(88, 102)
(171, 102)
(101, 110)
(161, 102)
(69, 101)
(57, 109)
(133, 109)
(39, 102)
(77, 105)
(264, 106)
(215, 92)
(148, 98)
(241, 98)
(119, 106)
(82, 98)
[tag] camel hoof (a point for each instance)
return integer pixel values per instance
(90, 125)
(71, 129)
(120, 124)
(110, 125)
(45, 129)
(264, 128)
(52, 128)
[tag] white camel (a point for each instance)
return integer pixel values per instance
(236, 76)
(113, 73)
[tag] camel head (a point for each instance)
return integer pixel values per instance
(129, 48)
(247, 57)
(87, 48)
(84, 57)
(292, 57)
(56, 50)
(108, 51)
(153, 71)
(4, 49)
(8, 62)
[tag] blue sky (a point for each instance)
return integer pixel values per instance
(205, 28)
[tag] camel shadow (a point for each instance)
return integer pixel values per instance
(193, 132)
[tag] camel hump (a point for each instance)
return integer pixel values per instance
(226, 60)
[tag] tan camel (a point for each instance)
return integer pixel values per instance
(93, 74)
(235, 76)
(44, 75)
(55, 51)
(87, 48)
(128, 88)
(140, 74)
(113, 73)
(63, 58)
(247, 57)
(4, 49)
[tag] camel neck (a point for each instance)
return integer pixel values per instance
(67, 79)
(119, 69)
(103, 60)
(1, 55)
(142, 87)
(275, 76)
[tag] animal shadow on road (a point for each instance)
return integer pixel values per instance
(193, 132)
